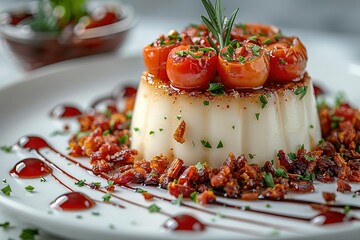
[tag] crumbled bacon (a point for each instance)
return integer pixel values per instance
(179, 132)
(105, 138)
(329, 196)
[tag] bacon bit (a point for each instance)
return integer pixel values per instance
(301, 186)
(101, 166)
(206, 197)
(329, 196)
(179, 132)
(320, 207)
(343, 186)
(275, 193)
(177, 189)
(250, 196)
(147, 196)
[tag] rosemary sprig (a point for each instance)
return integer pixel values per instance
(218, 25)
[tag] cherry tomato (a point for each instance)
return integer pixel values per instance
(156, 54)
(288, 59)
(191, 67)
(108, 18)
(243, 65)
(265, 34)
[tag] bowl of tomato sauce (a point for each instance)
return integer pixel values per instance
(48, 31)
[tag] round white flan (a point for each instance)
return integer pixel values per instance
(202, 127)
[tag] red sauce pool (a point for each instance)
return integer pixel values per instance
(184, 222)
(65, 111)
(30, 168)
(331, 217)
(73, 201)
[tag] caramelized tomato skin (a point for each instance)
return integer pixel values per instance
(253, 73)
(288, 59)
(189, 73)
(155, 58)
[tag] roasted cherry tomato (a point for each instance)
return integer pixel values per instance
(243, 65)
(156, 54)
(258, 33)
(191, 67)
(288, 59)
(107, 18)
(199, 34)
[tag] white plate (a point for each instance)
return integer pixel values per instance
(25, 110)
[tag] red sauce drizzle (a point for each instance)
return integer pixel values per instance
(30, 168)
(331, 217)
(73, 201)
(65, 111)
(184, 222)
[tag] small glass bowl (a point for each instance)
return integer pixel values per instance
(37, 49)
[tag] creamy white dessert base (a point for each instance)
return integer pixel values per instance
(237, 122)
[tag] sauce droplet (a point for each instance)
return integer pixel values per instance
(30, 168)
(184, 222)
(65, 111)
(32, 142)
(331, 217)
(73, 201)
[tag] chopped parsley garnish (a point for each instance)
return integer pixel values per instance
(151, 132)
(282, 61)
(267, 41)
(220, 145)
(233, 127)
(95, 213)
(292, 156)
(153, 208)
(268, 205)
(79, 216)
(178, 117)
(193, 197)
(29, 234)
(6, 190)
(161, 129)
(140, 190)
(178, 200)
(206, 144)
(96, 184)
(253, 38)
(5, 225)
(106, 132)
(6, 149)
(129, 115)
(301, 91)
(281, 173)
(136, 129)
(251, 156)
(268, 179)
(311, 126)
(206, 103)
(110, 183)
(199, 167)
(340, 99)
(307, 176)
(82, 134)
(242, 59)
(42, 179)
(123, 139)
(29, 188)
(255, 50)
(263, 101)
(106, 197)
(347, 209)
(216, 89)
(80, 183)
(257, 115)
(309, 158)
(4, 181)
